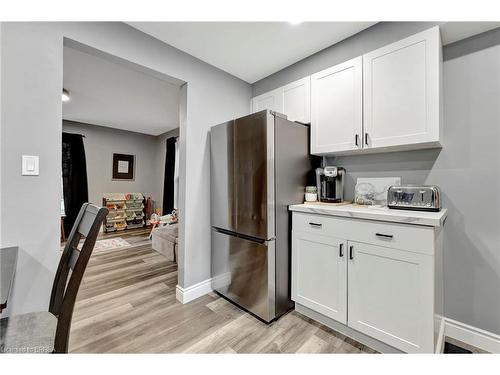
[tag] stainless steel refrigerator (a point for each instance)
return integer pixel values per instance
(259, 165)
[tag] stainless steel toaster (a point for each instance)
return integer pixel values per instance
(413, 197)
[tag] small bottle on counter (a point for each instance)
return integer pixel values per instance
(311, 194)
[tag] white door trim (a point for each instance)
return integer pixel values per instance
(185, 295)
(474, 336)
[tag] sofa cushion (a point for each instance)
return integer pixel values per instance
(167, 232)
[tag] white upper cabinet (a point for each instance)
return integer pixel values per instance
(297, 100)
(336, 108)
(402, 92)
(272, 100)
(386, 100)
(292, 100)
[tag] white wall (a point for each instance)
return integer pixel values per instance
(32, 73)
(101, 143)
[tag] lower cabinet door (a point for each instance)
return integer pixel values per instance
(391, 296)
(319, 274)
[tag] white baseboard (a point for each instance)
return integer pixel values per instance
(185, 295)
(474, 336)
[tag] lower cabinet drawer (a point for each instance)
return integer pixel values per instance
(415, 238)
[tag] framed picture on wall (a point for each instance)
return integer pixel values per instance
(123, 167)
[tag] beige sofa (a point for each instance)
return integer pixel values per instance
(165, 241)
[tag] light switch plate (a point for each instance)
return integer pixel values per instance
(30, 165)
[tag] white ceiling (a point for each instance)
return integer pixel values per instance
(251, 50)
(117, 96)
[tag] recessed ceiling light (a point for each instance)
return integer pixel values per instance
(294, 23)
(65, 95)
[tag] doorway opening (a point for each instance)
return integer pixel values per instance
(120, 149)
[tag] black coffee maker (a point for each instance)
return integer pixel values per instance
(330, 184)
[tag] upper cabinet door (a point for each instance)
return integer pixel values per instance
(297, 100)
(272, 100)
(402, 92)
(336, 108)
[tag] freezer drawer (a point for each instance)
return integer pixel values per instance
(244, 272)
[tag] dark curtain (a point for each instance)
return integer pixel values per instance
(74, 175)
(168, 183)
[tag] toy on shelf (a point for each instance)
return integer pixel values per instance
(126, 211)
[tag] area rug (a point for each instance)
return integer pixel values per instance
(111, 243)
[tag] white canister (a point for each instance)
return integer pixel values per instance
(311, 197)
(311, 194)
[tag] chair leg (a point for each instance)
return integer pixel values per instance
(63, 235)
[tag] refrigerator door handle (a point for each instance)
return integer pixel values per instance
(242, 236)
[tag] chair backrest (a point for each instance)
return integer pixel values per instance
(64, 291)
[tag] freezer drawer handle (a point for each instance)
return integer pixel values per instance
(317, 225)
(386, 236)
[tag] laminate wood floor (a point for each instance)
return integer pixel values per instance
(126, 304)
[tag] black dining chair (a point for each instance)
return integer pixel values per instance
(48, 331)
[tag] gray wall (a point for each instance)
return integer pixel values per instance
(101, 142)
(467, 168)
(1, 26)
(32, 74)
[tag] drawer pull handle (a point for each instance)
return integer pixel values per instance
(317, 225)
(388, 236)
(341, 250)
(351, 254)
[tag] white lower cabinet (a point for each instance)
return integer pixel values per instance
(319, 270)
(390, 296)
(384, 292)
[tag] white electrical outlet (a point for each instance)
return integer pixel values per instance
(30, 165)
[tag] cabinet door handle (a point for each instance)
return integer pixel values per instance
(356, 140)
(388, 236)
(341, 250)
(351, 255)
(366, 139)
(317, 225)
